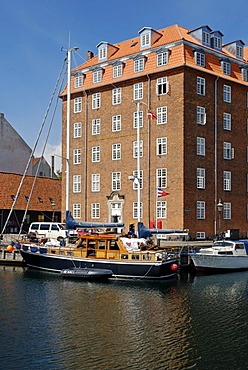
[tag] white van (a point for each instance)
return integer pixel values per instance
(51, 230)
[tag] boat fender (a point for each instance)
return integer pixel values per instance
(10, 248)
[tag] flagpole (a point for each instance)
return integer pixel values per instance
(156, 219)
(138, 162)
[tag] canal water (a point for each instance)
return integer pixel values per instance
(196, 322)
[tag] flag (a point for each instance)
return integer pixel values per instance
(161, 193)
(151, 115)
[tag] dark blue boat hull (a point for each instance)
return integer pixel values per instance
(121, 269)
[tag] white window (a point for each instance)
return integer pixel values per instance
(162, 86)
(200, 178)
(206, 38)
(77, 105)
(96, 154)
(201, 146)
(200, 59)
(217, 42)
(78, 81)
(226, 68)
(77, 129)
(227, 211)
(200, 210)
(200, 86)
(135, 119)
(162, 58)
(116, 123)
(161, 146)
(116, 181)
(139, 65)
(116, 152)
(161, 115)
(135, 210)
(139, 178)
(227, 94)
(227, 150)
(200, 235)
(95, 182)
(95, 210)
(227, 180)
(96, 126)
(76, 209)
(76, 183)
(102, 53)
(135, 149)
(145, 39)
(161, 177)
(161, 209)
(76, 156)
(138, 91)
(97, 76)
(200, 115)
(116, 96)
(239, 52)
(117, 70)
(245, 74)
(227, 121)
(96, 100)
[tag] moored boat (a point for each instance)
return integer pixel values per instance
(223, 256)
(92, 274)
(126, 257)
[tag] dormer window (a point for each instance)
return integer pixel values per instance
(206, 38)
(78, 81)
(103, 53)
(202, 34)
(216, 40)
(162, 58)
(97, 76)
(148, 37)
(239, 52)
(200, 58)
(139, 64)
(145, 40)
(244, 72)
(117, 70)
(236, 48)
(226, 67)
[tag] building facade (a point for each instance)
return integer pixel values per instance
(188, 92)
(15, 152)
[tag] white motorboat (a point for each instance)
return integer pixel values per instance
(223, 256)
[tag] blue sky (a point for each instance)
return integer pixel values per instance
(32, 34)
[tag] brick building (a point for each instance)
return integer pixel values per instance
(45, 203)
(195, 149)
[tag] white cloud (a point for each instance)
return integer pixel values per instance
(53, 150)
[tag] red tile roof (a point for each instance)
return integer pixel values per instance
(179, 55)
(44, 188)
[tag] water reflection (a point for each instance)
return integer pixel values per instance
(194, 323)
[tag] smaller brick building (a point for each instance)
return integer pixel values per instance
(44, 204)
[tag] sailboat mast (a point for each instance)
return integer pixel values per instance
(67, 186)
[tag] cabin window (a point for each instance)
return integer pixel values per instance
(135, 257)
(113, 246)
(101, 244)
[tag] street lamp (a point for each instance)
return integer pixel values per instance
(219, 207)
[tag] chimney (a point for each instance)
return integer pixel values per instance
(89, 55)
(52, 169)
